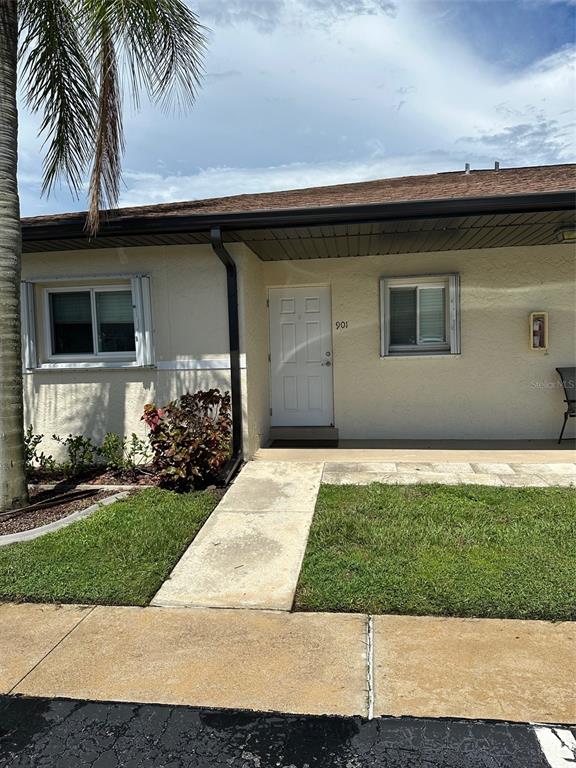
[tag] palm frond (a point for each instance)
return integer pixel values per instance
(163, 45)
(109, 143)
(72, 51)
(58, 83)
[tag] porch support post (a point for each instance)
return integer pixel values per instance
(233, 341)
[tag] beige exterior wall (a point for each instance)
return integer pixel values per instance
(254, 343)
(189, 310)
(496, 388)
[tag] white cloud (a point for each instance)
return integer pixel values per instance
(363, 96)
(266, 15)
(149, 188)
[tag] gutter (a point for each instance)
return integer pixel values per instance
(234, 344)
(126, 224)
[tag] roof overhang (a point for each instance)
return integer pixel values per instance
(331, 231)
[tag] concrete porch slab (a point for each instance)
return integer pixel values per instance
(28, 633)
(274, 486)
(475, 668)
(525, 481)
(492, 468)
(553, 468)
(267, 661)
(435, 451)
(366, 478)
(240, 560)
(560, 481)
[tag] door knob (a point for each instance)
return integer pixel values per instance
(327, 363)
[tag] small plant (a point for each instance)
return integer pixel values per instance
(82, 454)
(35, 460)
(123, 454)
(137, 453)
(190, 438)
(112, 451)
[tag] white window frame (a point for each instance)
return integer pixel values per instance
(138, 284)
(52, 356)
(451, 283)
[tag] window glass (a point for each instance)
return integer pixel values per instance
(420, 315)
(71, 316)
(432, 315)
(403, 320)
(115, 321)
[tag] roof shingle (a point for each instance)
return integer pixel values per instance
(438, 186)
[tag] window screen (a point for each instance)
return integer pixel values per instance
(115, 321)
(71, 318)
(432, 315)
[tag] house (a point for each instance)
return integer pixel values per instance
(391, 309)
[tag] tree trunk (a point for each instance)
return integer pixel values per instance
(13, 491)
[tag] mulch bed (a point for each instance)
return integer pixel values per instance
(112, 478)
(95, 476)
(33, 518)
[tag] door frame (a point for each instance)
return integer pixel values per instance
(300, 285)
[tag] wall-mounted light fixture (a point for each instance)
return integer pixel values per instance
(539, 331)
(566, 235)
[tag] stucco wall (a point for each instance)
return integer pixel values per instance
(188, 290)
(496, 388)
(254, 343)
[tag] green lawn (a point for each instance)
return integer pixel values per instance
(119, 555)
(442, 550)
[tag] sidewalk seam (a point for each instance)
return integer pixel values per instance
(85, 616)
(370, 665)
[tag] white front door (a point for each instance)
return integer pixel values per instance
(301, 357)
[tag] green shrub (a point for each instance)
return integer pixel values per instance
(82, 454)
(190, 438)
(137, 453)
(112, 451)
(34, 459)
(123, 454)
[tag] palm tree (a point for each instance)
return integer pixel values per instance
(73, 54)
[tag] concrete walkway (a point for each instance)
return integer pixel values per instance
(309, 663)
(249, 553)
(500, 473)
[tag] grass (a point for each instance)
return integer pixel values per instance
(120, 555)
(442, 550)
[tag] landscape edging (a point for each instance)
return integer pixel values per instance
(34, 533)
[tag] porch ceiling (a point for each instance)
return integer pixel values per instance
(409, 236)
(330, 231)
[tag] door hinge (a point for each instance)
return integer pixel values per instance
(270, 411)
(267, 302)
(269, 358)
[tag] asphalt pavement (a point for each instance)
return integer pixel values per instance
(56, 733)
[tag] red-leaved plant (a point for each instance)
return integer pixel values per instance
(190, 438)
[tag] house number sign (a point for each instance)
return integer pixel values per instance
(341, 325)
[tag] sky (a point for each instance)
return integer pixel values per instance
(304, 93)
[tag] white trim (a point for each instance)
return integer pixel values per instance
(451, 284)
(81, 278)
(454, 311)
(28, 326)
(184, 364)
(143, 330)
(87, 357)
(74, 365)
